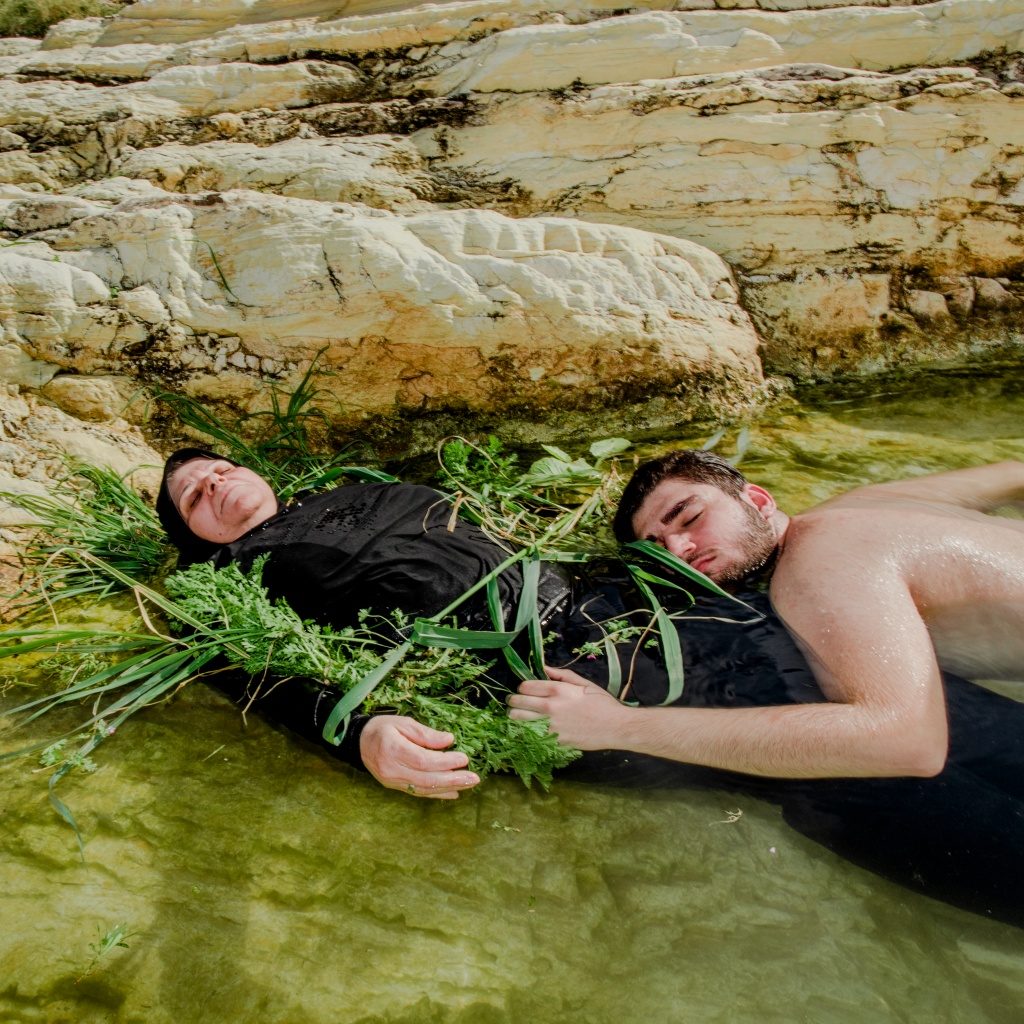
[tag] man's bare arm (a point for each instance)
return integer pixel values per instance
(853, 613)
(980, 488)
(829, 740)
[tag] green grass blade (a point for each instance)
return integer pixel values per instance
(670, 646)
(351, 700)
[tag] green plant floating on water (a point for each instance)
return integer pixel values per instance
(105, 944)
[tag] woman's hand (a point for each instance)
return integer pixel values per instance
(400, 753)
(581, 714)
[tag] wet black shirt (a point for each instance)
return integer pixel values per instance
(373, 546)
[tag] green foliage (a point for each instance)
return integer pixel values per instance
(440, 687)
(565, 501)
(279, 443)
(34, 17)
(92, 510)
(55, 756)
(106, 942)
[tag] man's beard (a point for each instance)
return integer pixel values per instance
(757, 545)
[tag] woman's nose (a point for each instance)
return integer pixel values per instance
(212, 478)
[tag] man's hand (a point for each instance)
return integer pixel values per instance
(402, 754)
(580, 712)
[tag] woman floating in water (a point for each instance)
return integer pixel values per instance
(956, 836)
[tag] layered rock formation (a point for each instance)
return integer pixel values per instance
(507, 212)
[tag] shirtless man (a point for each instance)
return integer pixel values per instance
(880, 586)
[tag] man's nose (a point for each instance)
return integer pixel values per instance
(680, 545)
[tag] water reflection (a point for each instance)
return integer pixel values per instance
(264, 882)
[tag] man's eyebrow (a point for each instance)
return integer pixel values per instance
(678, 507)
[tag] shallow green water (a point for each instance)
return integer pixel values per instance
(263, 882)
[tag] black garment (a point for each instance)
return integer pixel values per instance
(956, 837)
(373, 546)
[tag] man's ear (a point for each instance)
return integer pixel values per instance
(761, 500)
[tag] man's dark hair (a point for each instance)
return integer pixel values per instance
(694, 464)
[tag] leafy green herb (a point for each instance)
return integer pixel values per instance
(443, 688)
(94, 510)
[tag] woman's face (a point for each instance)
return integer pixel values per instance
(218, 500)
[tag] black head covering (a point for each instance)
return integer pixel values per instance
(190, 547)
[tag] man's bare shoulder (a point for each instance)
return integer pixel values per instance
(831, 551)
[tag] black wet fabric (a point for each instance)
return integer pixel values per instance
(375, 547)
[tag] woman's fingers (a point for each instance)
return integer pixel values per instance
(402, 754)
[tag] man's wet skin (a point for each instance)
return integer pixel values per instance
(876, 586)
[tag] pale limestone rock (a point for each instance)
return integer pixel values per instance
(181, 92)
(47, 307)
(96, 399)
(182, 20)
(990, 294)
(171, 21)
(22, 168)
(833, 311)
(376, 170)
(741, 125)
(19, 368)
(241, 86)
(116, 63)
(959, 293)
(144, 304)
(412, 310)
(45, 435)
(764, 173)
(73, 32)
(116, 190)
(927, 305)
(40, 212)
(666, 44)
(35, 441)
(9, 141)
(15, 46)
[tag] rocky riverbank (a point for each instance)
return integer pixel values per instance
(488, 213)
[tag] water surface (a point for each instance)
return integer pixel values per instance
(261, 881)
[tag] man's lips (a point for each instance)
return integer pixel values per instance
(702, 562)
